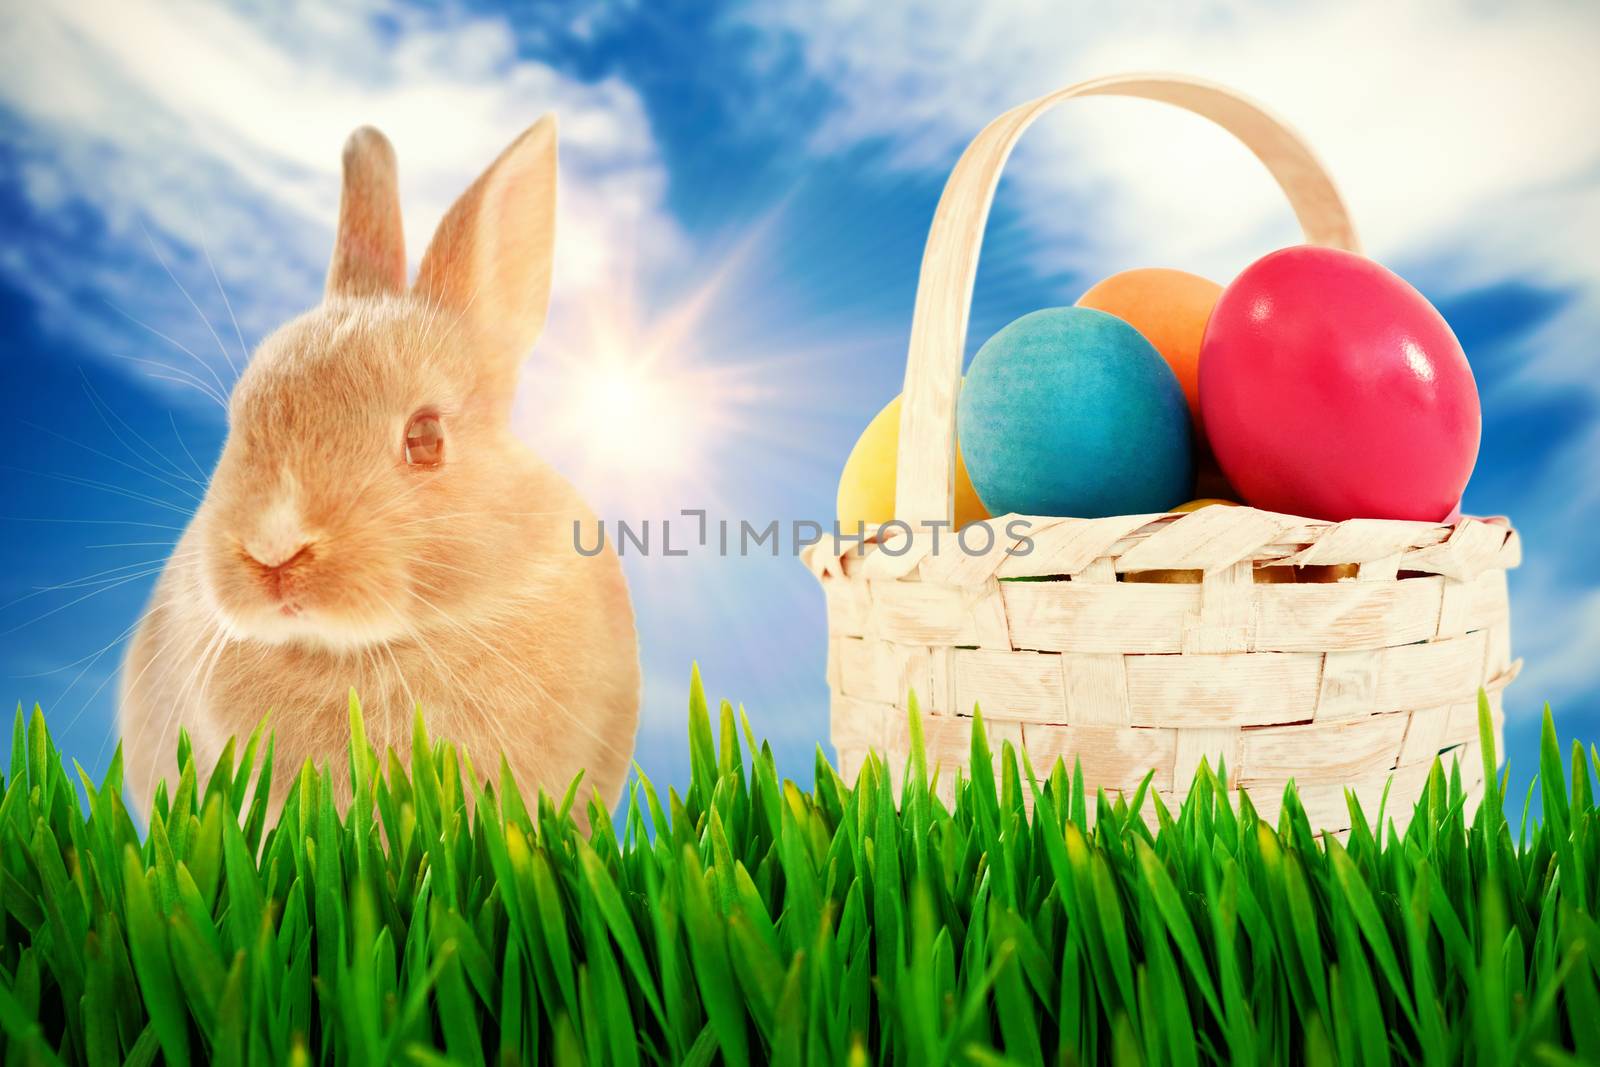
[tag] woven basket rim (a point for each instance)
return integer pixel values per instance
(1220, 537)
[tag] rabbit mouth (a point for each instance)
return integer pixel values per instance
(293, 623)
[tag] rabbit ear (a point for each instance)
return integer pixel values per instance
(369, 252)
(490, 259)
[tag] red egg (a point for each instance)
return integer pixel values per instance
(1331, 388)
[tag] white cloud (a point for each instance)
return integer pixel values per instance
(210, 129)
(1560, 645)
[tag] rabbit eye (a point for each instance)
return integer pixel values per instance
(424, 440)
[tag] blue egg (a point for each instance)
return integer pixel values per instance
(1070, 411)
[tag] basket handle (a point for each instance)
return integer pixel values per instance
(925, 466)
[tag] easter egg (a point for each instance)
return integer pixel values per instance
(1316, 574)
(1206, 502)
(1070, 411)
(1330, 388)
(866, 488)
(1170, 308)
(1165, 576)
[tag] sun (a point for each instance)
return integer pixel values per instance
(639, 402)
(634, 418)
(628, 408)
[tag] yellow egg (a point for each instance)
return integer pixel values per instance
(1316, 574)
(1164, 577)
(866, 488)
(1337, 572)
(1206, 502)
(1170, 577)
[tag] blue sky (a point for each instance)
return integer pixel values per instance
(745, 195)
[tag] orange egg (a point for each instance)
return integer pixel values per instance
(1170, 307)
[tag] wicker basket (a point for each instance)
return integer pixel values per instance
(1337, 654)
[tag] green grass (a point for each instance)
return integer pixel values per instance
(751, 920)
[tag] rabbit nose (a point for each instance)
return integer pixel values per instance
(274, 570)
(272, 561)
(277, 536)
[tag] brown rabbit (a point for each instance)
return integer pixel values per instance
(373, 523)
